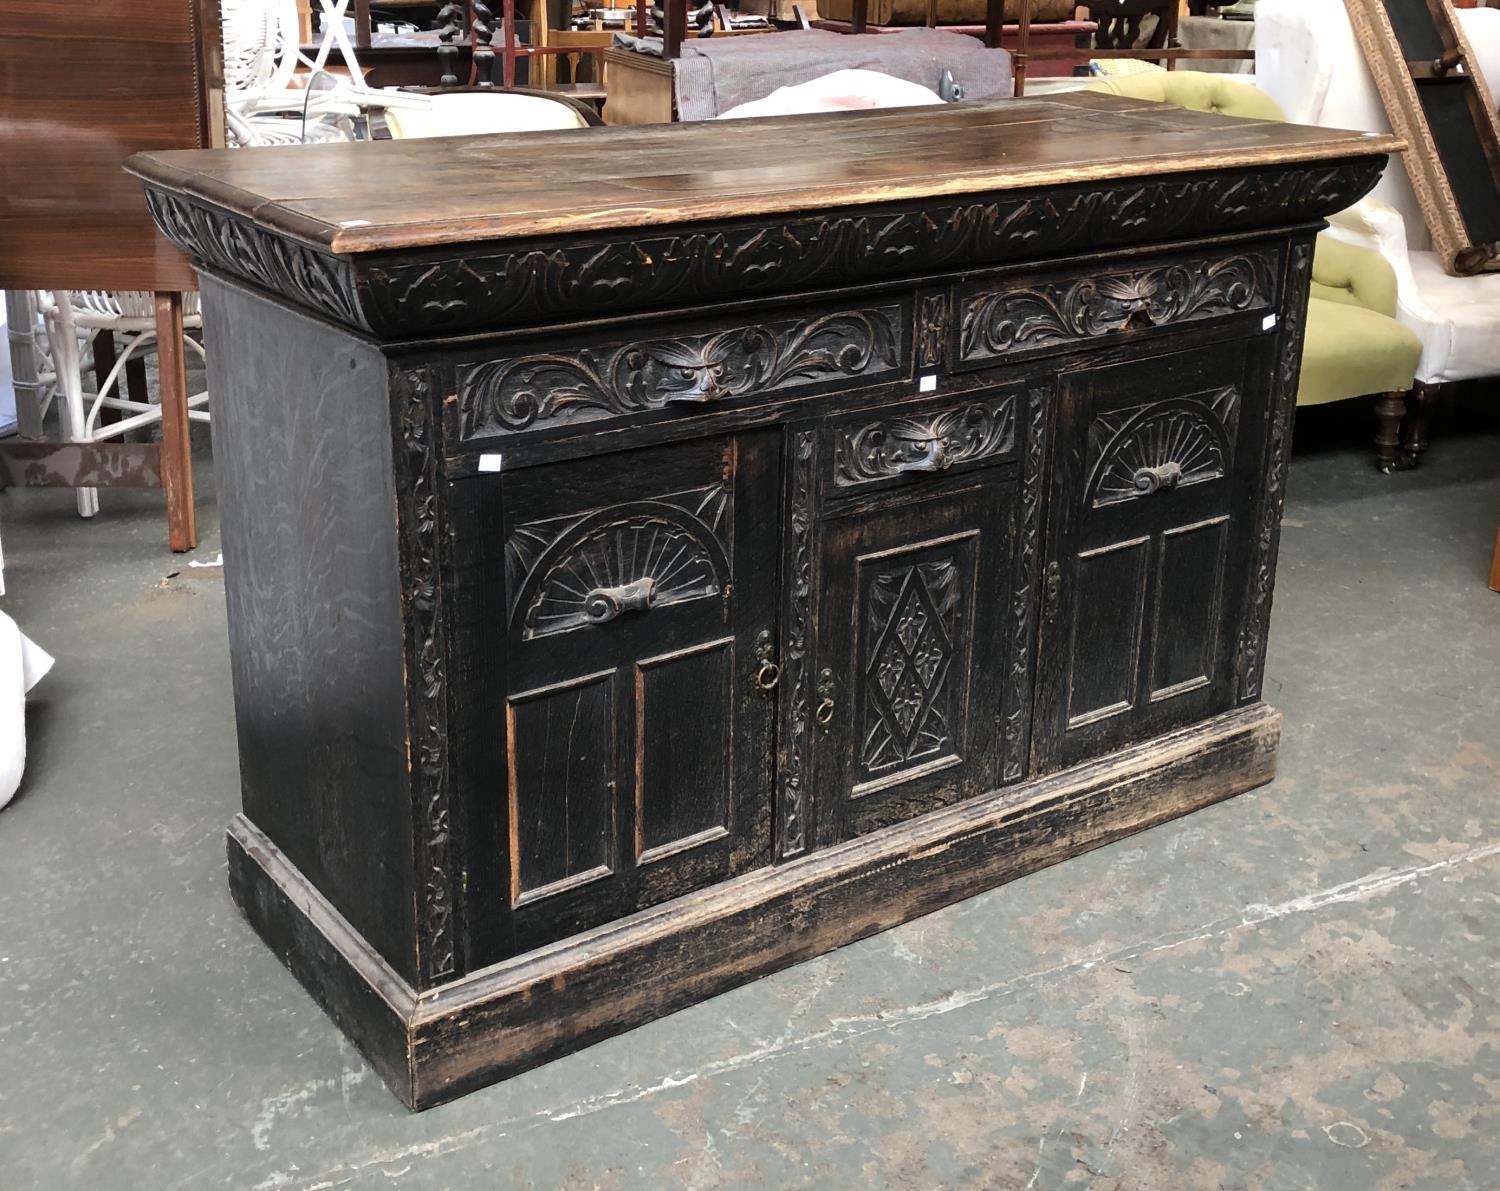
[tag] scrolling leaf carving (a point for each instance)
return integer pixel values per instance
(514, 394)
(1017, 319)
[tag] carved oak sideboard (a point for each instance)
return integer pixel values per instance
(638, 587)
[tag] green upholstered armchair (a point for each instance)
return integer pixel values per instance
(1354, 346)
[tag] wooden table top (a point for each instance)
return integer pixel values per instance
(380, 195)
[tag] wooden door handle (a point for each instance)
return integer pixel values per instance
(603, 604)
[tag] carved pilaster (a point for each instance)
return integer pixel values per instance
(1024, 600)
(419, 513)
(1252, 645)
(793, 809)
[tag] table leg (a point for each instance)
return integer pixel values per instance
(1495, 565)
(176, 448)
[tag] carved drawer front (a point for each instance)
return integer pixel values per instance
(1021, 316)
(906, 685)
(902, 444)
(1149, 524)
(639, 376)
(640, 596)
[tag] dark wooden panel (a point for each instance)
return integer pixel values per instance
(81, 89)
(1189, 605)
(1104, 650)
(315, 622)
(563, 763)
(684, 746)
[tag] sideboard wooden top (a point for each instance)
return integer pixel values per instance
(384, 195)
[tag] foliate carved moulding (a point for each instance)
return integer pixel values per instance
(1252, 645)
(427, 688)
(228, 244)
(893, 446)
(1015, 319)
(509, 395)
(537, 281)
(642, 270)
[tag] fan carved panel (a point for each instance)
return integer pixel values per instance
(583, 569)
(1172, 443)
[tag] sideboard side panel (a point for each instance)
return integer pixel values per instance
(310, 573)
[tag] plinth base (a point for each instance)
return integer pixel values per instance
(497, 1022)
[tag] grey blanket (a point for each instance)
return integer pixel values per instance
(715, 74)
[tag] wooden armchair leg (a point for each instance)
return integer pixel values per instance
(1423, 397)
(1389, 410)
(176, 450)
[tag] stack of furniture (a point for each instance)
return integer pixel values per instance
(1309, 60)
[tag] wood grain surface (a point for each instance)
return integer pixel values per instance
(81, 89)
(342, 197)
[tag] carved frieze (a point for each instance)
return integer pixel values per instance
(228, 244)
(1015, 318)
(529, 283)
(889, 447)
(1171, 443)
(507, 395)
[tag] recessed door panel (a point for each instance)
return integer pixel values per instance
(561, 786)
(1189, 582)
(1104, 661)
(684, 741)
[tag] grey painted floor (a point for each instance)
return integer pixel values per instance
(1294, 989)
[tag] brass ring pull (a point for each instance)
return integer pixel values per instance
(768, 676)
(824, 713)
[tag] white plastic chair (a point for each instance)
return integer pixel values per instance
(72, 318)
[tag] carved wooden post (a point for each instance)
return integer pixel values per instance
(450, 23)
(481, 35)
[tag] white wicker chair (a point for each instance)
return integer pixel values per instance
(72, 318)
(261, 57)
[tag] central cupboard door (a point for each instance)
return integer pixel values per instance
(914, 564)
(641, 590)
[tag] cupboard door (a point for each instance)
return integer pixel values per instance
(911, 650)
(1151, 507)
(641, 596)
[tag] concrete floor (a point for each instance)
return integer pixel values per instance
(1294, 989)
